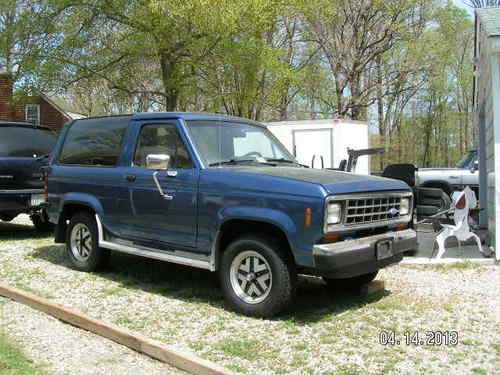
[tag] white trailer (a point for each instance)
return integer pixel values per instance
(323, 143)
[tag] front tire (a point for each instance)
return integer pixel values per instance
(82, 244)
(257, 277)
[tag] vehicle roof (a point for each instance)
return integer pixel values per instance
(180, 115)
(23, 125)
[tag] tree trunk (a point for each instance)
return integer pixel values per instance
(382, 129)
(167, 64)
(283, 107)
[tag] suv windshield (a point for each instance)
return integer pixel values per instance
(24, 141)
(468, 160)
(223, 142)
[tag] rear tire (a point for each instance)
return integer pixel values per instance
(257, 276)
(82, 244)
(351, 282)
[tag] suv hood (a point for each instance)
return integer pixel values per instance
(334, 182)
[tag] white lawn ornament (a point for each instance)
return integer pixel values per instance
(462, 203)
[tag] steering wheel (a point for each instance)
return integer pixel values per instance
(251, 153)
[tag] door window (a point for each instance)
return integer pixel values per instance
(162, 139)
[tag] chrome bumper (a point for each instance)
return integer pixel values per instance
(354, 257)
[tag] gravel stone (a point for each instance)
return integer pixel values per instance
(323, 332)
(60, 348)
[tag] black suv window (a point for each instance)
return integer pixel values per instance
(24, 141)
(162, 139)
(94, 141)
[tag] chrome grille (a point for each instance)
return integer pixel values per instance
(371, 210)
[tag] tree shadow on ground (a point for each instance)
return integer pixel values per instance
(16, 231)
(314, 301)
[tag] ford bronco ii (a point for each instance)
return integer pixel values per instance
(220, 193)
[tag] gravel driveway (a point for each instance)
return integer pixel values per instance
(325, 332)
(61, 349)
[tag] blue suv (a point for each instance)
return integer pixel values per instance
(223, 194)
(24, 152)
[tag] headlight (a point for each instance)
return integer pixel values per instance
(404, 208)
(333, 213)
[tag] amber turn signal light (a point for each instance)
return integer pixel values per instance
(308, 213)
(402, 227)
(331, 237)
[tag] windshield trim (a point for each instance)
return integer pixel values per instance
(199, 156)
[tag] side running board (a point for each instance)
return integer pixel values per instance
(149, 252)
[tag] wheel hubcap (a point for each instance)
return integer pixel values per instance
(251, 277)
(81, 242)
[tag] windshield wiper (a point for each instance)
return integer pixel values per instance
(288, 161)
(230, 161)
(235, 161)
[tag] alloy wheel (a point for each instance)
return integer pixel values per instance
(251, 277)
(81, 242)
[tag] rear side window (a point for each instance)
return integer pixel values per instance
(19, 141)
(94, 142)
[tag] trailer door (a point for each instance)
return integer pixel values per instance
(317, 143)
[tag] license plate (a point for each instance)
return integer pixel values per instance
(37, 199)
(384, 249)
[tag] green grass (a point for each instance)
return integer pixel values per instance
(465, 265)
(243, 348)
(13, 362)
(478, 371)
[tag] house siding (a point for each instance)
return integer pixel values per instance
(5, 95)
(488, 118)
(50, 115)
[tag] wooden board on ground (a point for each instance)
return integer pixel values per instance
(183, 360)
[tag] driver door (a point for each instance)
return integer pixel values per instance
(163, 198)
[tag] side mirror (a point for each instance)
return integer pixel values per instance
(474, 167)
(157, 161)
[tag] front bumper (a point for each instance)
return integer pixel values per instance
(359, 256)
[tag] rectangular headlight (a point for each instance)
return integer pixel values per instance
(404, 208)
(333, 213)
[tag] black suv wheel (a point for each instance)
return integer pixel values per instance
(351, 282)
(82, 243)
(257, 277)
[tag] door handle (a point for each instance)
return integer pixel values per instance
(160, 190)
(454, 177)
(130, 178)
(172, 173)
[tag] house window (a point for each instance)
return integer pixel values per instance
(32, 112)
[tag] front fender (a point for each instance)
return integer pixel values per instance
(291, 223)
(272, 216)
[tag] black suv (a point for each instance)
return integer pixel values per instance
(24, 150)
